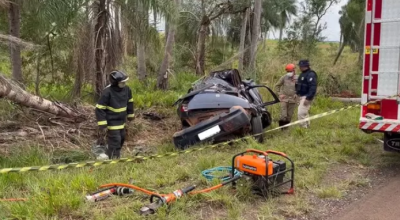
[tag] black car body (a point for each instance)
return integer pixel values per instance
(220, 107)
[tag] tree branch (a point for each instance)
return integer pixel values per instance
(226, 9)
(18, 41)
(319, 16)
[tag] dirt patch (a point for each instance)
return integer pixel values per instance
(29, 127)
(209, 212)
(377, 204)
(357, 189)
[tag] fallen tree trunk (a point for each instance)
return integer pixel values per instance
(7, 39)
(13, 92)
(346, 99)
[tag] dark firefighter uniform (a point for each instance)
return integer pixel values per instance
(114, 107)
(306, 88)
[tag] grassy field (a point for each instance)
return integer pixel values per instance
(319, 153)
(331, 141)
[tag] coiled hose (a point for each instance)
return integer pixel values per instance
(208, 173)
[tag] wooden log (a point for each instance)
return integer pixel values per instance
(10, 90)
(340, 99)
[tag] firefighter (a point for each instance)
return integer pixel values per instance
(286, 88)
(306, 89)
(113, 110)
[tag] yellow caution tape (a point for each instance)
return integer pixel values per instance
(170, 154)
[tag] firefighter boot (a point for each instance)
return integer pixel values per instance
(285, 123)
(281, 123)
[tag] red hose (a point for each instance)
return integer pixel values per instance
(161, 195)
(132, 187)
(206, 190)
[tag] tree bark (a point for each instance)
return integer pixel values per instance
(201, 46)
(99, 50)
(243, 38)
(246, 59)
(280, 33)
(255, 34)
(155, 19)
(13, 92)
(141, 59)
(118, 30)
(162, 80)
(37, 81)
(14, 18)
(342, 45)
(143, 25)
(166, 31)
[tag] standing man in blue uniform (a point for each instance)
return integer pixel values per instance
(113, 109)
(306, 89)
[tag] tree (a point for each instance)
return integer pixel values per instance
(162, 81)
(201, 15)
(14, 17)
(352, 28)
(286, 9)
(143, 21)
(246, 17)
(135, 18)
(255, 34)
(306, 30)
(100, 35)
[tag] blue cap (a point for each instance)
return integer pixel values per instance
(304, 63)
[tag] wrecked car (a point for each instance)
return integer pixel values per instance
(220, 107)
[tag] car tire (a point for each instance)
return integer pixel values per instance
(257, 128)
(266, 119)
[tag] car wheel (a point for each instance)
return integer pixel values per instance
(257, 128)
(266, 119)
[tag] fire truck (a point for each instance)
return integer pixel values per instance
(381, 68)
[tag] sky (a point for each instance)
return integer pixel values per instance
(332, 32)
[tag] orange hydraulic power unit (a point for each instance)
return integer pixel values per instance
(265, 173)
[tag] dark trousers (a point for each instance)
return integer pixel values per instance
(115, 140)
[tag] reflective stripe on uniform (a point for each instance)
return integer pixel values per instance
(131, 115)
(101, 106)
(117, 127)
(111, 108)
(130, 100)
(102, 123)
(116, 109)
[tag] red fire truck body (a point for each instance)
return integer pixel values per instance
(381, 70)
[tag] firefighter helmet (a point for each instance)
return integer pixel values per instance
(117, 77)
(290, 67)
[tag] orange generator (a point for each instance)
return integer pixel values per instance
(267, 175)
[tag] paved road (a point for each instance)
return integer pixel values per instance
(381, 203)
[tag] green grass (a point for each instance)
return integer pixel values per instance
(60, 194)
(329, 192)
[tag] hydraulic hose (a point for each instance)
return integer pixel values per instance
(163, 195)
(206, 190)
(131, 187)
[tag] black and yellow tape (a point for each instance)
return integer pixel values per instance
(169, 154)
(99, 163)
